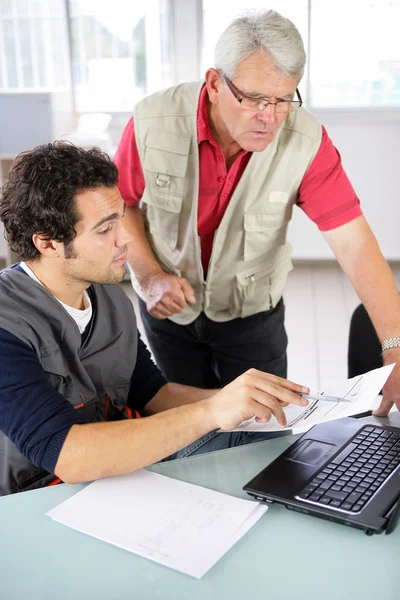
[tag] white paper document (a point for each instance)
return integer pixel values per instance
(361, 391)
(177, 524)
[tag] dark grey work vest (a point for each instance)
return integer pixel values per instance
(94, 376)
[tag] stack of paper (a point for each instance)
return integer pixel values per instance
(179, 525)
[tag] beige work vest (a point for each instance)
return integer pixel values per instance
(250, 257)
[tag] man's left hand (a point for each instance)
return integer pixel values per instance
(391, 389)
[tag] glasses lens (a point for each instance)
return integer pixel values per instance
(285, 107)
(251, 103)
(281, 107)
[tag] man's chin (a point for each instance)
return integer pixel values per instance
(257, 145)
(116, 276)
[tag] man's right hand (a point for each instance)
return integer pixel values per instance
(254, 394)
(166, 294)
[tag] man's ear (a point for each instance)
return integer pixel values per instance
(213, 83)
(46, 247)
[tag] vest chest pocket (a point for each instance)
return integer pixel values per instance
(254, 290)
(165, 164)
(58, 376)
(265, 231)
(166, 152)
(163, 214)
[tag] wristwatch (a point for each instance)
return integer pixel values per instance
(393, 342)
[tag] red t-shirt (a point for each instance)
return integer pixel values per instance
(325, 194)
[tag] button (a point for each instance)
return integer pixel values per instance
(306, 492)
(354, 497)
(316, 496)
(325, 485)
(336, 495)
(335, 503)
(324, 500)
(351, 484)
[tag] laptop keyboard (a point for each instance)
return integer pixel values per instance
(350, 480)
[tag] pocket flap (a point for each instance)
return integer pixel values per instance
(168, 202)
(262, 221)
(165, 162)
(168, 141)
(166, 152)
(52, 360)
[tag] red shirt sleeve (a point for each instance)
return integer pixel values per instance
(131, 182)
(326, 194)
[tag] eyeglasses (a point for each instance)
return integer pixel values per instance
(258, 104)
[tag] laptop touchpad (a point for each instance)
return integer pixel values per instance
(310, 452)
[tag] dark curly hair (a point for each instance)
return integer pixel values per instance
(39, 194)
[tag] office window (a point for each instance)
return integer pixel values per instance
(355, 53)
(353, 47)
(33, 45)
(120, 52)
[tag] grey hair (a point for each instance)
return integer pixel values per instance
(261, 31)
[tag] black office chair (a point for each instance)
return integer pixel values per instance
(364, 351)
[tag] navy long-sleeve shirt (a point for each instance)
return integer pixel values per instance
(35, 416)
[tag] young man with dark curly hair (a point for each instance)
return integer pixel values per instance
(74, 369)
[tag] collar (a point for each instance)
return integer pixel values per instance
(203, 125)
(204, 133)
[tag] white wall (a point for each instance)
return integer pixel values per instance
(368, 143)
(29, 119)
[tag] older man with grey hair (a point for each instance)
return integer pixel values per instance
(210, 172)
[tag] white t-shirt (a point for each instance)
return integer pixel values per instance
(81, 317)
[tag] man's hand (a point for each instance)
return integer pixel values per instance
(166, 294)
(391, 389)
(254, 394)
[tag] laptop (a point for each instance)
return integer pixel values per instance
(346, 471)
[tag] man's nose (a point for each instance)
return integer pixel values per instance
(268, 114)
(124, 237)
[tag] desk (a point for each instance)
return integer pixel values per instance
(284, 556)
